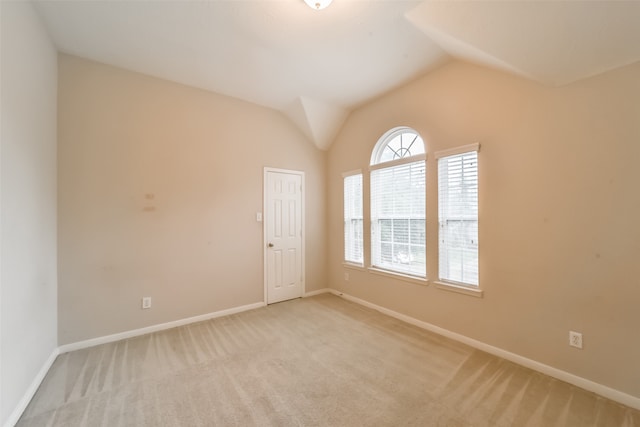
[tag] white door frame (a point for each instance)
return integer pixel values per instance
(264, 226)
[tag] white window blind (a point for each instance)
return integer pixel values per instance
(398, 218)
(353, 245)
(458, 217)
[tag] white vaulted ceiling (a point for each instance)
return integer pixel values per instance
(315, 66)
(554, 42)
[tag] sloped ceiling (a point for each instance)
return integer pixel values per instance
(554, 42)
(315, 66)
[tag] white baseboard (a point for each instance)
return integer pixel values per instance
(602, 390)
(155, 328)
(22, 405)
(31, 390)
(316, 292)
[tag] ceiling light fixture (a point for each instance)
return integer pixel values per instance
(318, 4)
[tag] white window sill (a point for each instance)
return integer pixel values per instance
(404, 277)
(353, 265)
(461, 289)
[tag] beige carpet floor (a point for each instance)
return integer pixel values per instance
(319, 361)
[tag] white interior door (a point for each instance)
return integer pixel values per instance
(284, 232)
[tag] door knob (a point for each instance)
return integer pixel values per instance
(270, 245)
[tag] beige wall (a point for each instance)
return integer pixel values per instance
(124, 135)
(559, 211)
(28, 279)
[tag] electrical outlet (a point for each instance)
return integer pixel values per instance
(346, 276)
(146, 302)
(575, 339)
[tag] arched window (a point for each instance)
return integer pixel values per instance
(398, 203)
(397, 144)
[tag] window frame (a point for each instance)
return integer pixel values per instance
(346, 261)
(447, 283)
(388, 137)
(377, 164)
